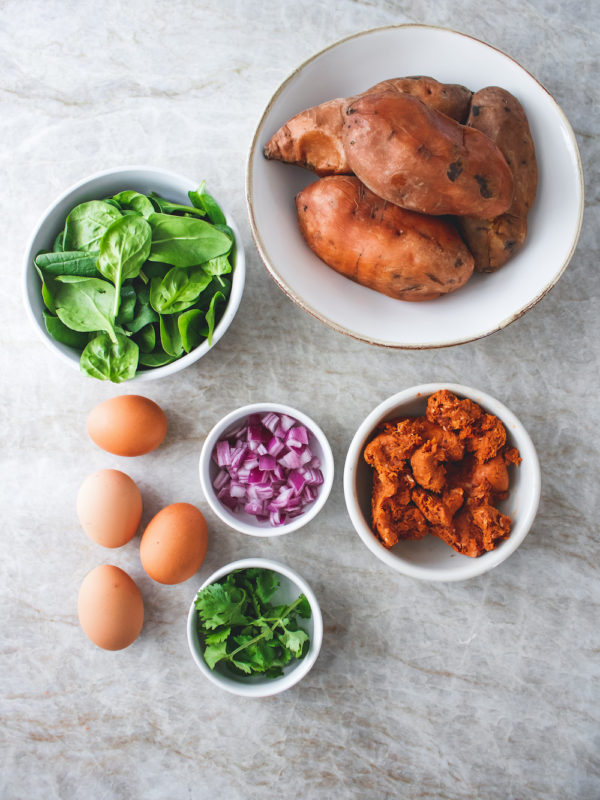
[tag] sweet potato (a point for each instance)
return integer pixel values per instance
(405, 255)
(422, 160)
(313, 138)
(500, 116)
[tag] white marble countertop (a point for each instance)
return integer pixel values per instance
(481, 689)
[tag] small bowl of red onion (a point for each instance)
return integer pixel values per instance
(266, 469)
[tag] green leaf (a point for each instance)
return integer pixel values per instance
(185, 242)
(166, 207)
(178, 290)
(124, 248)
(303, 608)
(170, 338)
(217, 266)
(127, 304)
(144, 315)
(68, 263)
(59, 331)
(85, 304)
(87, 224)
(221, 605)
(191, 328)
(134, 201)
(267, 583)
(110, 361)
(242, 666)
(214, 653)
(210, 314)
(200, 199)
(218, 636)
(59, 242)
(156, 359)
(294, 641)
(146, 339)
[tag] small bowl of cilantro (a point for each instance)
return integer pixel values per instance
(255, 627)
(133, 274)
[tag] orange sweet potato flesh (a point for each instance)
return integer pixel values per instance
(420, 159)
(442, 474)
(313, 138)
(500, 116)
(404, 255)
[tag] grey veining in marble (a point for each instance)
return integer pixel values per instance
(483, 689)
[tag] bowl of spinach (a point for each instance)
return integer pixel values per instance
(255, 627)
(133, 274)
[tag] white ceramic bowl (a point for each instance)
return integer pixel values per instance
(103, 184)
(291, 585)
(431, 558)
(488, 302)
(245, 523)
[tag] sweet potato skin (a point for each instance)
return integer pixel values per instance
(402, 254)
(313, 138)
(422, 160)
(500, 116)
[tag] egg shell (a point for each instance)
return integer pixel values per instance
(109, 507)
(128, 425)
(110, 608)
(173, 546)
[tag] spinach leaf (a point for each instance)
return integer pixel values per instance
(126, 304)
(166, 207)
(108, 360)
(200, 199)
(87, 223)
(157, 359)
(85, 304)
(146, 339)
(192, 328)
(217, 266)
(170, 338)
(123, 249)
(144, 315)
(134, 201)
(68, 263)
(153, 269)
(59, 242)
(178, 290)
(210, 315)
(47, 289)
(59, 331)
(185, 242)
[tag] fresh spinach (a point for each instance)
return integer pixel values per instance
(68, 263)
(210, 314)
(200, 199)
(124, 248)
(192, 328)
(87, 223)
(146, 339)
(110, 360)
(170, 338)
(156, 359)
(178, 290)
(185, 242)
(134, 201)
(165, 207)
(59, 331)
(127, 305)
(85, 304)
(144, 315)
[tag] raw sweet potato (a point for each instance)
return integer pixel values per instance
(500, 116)
(422, 160)
(313, 138)
(405, 255)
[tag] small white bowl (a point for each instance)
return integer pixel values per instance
(169, 185)
(430, 558)
(245, 523)
(487, 303)
(291, 585)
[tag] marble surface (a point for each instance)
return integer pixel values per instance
(482, 689)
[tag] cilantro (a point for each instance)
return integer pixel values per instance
(243, 630)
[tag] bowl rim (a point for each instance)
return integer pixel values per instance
(274, 685)
(328, 468)
(473, 566)
(233, 303)
(296, 298)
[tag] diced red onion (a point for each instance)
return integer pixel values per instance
(267, 468)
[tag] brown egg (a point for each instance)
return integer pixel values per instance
(109, 507)
(174, 544)
(129, 425)
(110, 608)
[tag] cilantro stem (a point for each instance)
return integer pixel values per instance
(278, 621)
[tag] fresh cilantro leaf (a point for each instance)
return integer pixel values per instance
(267, 584)
(242, 666)
(215, 653)
(303, 607)
(294, 641)
(221, 605)
(218, 636)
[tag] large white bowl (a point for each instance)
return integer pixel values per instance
(169, 185)
(430, 558)
(488, 302)
(291, 585)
